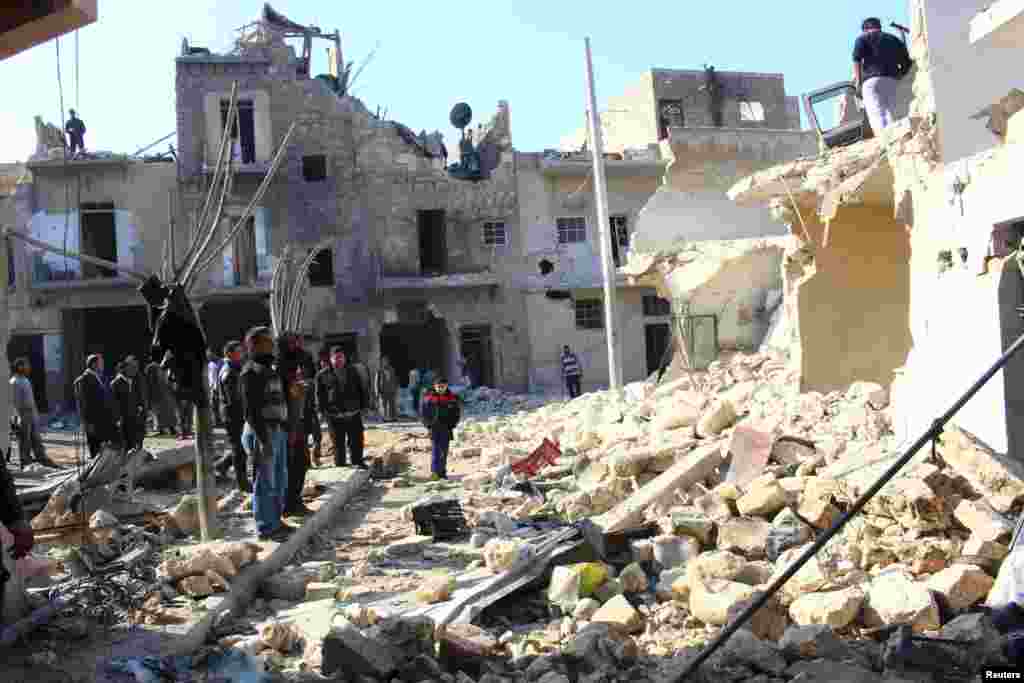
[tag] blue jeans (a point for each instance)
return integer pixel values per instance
(270, 487)
(440, 440)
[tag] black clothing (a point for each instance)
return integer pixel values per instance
(441, 411)
(10, 506)
(96, 407)
(350, 430)
(298, 465)
(230, 390)
(237, 457)
(310, 418)
(129, 401)
(263, 397)
(339, 393)
(881, 54)
(176, 328)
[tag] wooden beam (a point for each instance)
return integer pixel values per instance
(26, 29)
(693, 468)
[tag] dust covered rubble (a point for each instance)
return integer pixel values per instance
(923, 553)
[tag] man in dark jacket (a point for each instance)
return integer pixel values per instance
(264, 436)
(342, 397)
(159, 400)
(95, 406)
(441, 413)
(129, 404)
(292, 367)
(880, 60)
(232, 414)
(13, 517)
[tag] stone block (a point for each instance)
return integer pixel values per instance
(347, 650)
(745, 535)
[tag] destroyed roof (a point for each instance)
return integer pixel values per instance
(839, 175)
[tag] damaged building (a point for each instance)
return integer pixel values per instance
(902, 264)
(712, 267)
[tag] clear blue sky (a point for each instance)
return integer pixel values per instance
(432, 56)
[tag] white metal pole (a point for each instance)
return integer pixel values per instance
(603, 230)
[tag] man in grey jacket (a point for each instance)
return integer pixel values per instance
(27, 415)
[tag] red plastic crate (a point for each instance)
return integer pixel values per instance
(546, 454)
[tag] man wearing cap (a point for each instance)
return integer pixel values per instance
(76, 133)
(95, 406)
(880, 60)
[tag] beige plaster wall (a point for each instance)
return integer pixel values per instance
(552, 324)
(854, 312)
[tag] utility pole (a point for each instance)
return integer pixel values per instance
(604, 230)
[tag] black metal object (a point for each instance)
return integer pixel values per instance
(930, 435)
(948, 660)
(843, 134)
(443, 520)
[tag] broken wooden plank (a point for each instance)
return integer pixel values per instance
(692, 469)
(244, 588)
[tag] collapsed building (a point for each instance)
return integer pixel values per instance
(421, 266)
(902, 263)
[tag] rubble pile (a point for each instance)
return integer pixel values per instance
(784, 466)
(489, 401)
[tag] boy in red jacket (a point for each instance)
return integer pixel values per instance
(441, 412)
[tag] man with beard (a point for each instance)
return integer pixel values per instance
(129, 403)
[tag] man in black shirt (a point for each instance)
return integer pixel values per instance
(342, 398)
(880, 60)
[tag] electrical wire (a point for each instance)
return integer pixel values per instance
(67, 188)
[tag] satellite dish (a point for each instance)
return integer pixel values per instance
(461, 115)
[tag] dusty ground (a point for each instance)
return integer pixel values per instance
(70, 649)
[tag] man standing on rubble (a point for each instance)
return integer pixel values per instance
(880, 60)
(129, 404)
(441, 413)
(312, 431)
(75, 129)
(160, 400)
(26, 414)
(571, 372)
(232, 414)
(291, 360)
(263, 436)
(342, 398)
(183, 403)
(95, 406)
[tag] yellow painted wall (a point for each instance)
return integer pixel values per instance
(854, 312)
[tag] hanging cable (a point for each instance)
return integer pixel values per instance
(77, 103)
(67, 188)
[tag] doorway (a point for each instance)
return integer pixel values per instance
(415, 345)
(99, 238)
(657, 337)
(433, 241)
(31, 346)
(477, 350)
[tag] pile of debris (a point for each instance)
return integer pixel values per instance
(481, 401)
(738, 473)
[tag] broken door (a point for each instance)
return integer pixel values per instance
(656, 340)
(701, 334)
(477, 350)
(433, 241)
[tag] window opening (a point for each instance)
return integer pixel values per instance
(244, 263)
(321, 270)
(670, 115)
(546, 267)
(433, 247)
(620, 237)
(751, 111)
(243, 133)
(589, 314)
(314, 168)
(571, 229)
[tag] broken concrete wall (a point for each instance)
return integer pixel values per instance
(854, 311)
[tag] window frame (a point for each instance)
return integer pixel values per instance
(314, 162)
(490, 233)
(591, 309)
(572, 229)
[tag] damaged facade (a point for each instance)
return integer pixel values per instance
(716, 262)
(901, 267)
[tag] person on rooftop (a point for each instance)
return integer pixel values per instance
(880, 60)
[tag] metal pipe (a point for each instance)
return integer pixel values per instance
(92, 260)
(154, 144)
(932, 433)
